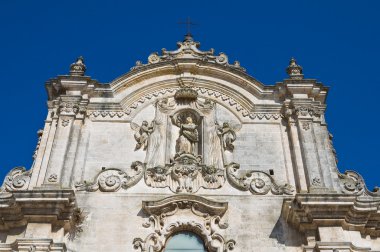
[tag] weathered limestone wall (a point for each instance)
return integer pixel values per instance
(116, 219)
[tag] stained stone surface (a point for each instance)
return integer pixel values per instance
(187, 142)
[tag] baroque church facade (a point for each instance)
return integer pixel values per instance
(186, 153)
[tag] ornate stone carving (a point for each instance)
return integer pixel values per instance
(107, 114)
(188, 139)
(307, 110)
(305, 125)
(142, 134)
(78, 68)
(224, 98)
(189, 49)
(186, 95)
(186, 147)
(351, 183)
(65, 122)
(184, 212)
(185, 174)
(112, 179)
(316, 182)
(257, 182)
(293, 70)
(53, 178)
(228, 136)
(266, 116)
(17, 179)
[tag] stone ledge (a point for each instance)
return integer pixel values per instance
(28, 244)
(20, 207)
(310, 211)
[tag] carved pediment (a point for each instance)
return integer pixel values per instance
(184, 213)
(201, 204)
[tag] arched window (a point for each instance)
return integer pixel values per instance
(185, 242)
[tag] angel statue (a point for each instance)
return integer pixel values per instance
(228, 136)
(142, 134)
(188, 136)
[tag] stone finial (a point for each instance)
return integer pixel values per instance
(78, 68)
(294, 70)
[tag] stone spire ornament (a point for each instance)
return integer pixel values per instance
(78, 68)
(294, 70)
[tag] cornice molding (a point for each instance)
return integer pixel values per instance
(310, 211)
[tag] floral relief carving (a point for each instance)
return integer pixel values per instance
(185, 174)
(71, 108)
(184, 212)
(53, 178)
(112, 179)
(257, 182)
(293, 112)
(65, 122)
(316, 181)
(17, 179)
(306, 126)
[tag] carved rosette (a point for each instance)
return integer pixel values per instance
(184, 213)
(112, 179)
(257, 182)
(186, 174)
(17, 179)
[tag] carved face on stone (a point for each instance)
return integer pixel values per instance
(189, 120)
(145, 123)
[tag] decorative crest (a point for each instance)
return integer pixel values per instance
(189, 49)
(78, 68)
(294, 71)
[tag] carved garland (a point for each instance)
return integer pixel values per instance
(164, 221)
(257, 182)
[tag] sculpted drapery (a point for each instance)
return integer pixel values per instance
(187, 122)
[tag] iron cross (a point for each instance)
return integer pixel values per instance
(188, 24)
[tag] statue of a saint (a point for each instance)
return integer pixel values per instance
(188, 136)
(228, 136)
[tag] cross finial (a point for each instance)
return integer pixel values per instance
(188, 24)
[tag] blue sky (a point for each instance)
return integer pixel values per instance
(336, 42)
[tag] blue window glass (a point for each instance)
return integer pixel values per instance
(185, 242)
